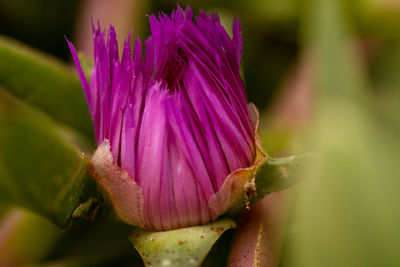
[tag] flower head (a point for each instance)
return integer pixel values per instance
(174, 117)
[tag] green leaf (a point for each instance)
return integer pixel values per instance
(40, 169)
(45, 83)
(280, 173)
(182, 247)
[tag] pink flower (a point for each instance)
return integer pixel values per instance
(175, 119)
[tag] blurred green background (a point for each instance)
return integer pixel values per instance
(325, 75)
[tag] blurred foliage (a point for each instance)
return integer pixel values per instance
(346, 213)
(26, 237)
(28, 74)
(39, 168)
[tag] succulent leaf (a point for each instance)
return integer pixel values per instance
(43, 82)
(182, 247)
(40, 169)
(279, 173)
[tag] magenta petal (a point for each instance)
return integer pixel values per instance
(175, 114)
(85, 85)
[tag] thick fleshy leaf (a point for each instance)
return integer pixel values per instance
(182, 247)
(45, 83)
(40, 169)
(280, 173)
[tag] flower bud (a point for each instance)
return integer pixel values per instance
(177, 140)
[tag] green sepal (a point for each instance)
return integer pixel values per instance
(182, 247)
